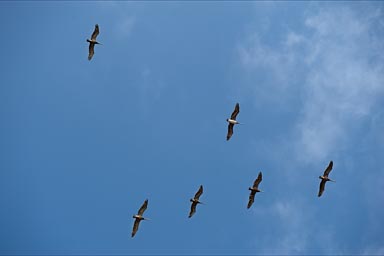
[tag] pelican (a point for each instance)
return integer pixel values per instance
(232, 121)
(92, 42)
(139, 217)
(325, 178)
(195, 201)
(254, 189)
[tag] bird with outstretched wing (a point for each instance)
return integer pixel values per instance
(232, 121)
(195, 201)
(325, 178)
(92, 42)
(139, 217)
(254, 190)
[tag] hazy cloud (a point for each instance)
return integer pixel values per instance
(336, 70)
(374, 251)
(331, 72)
(290, 232)
(125, 26)
(123, 16)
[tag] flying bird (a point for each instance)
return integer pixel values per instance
(325, 178)
(254, 189)
(139, 217)
(92, 42)
(195, 201)
(232, 121)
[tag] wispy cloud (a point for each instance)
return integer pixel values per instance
(122, 15)
(125, 26)
(151, 86)
(331, 73)
(273, 67)
(294, 239)
(374, 251)
(343, 82)
(335, 70)
(290, 233)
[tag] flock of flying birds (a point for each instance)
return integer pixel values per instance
(195, 200)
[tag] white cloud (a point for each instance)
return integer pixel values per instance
(294, 39)
(122, 15)
(331, 73)
(342, 83)
(125, 26)
(335, 71)
(295, 238)
(290, 233)
(272, 67)
(374, 251)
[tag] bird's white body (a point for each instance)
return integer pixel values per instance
(195, 201)
(254, 189)
(232, 121)
(92, 41)
(325, 178)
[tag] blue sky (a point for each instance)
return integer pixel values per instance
(85, 143)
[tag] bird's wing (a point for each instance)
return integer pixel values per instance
(235, 112)
(95, 32)
(193, 209)
(135, 227)
(230, 131)
(143, 207)
(322, 187)
(329, 168)
(251, 199)
(199, 192)
(91, 50)
(258, 180)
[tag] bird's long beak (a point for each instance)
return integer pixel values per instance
(332, 180)
(146, 219)
(202, 203)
